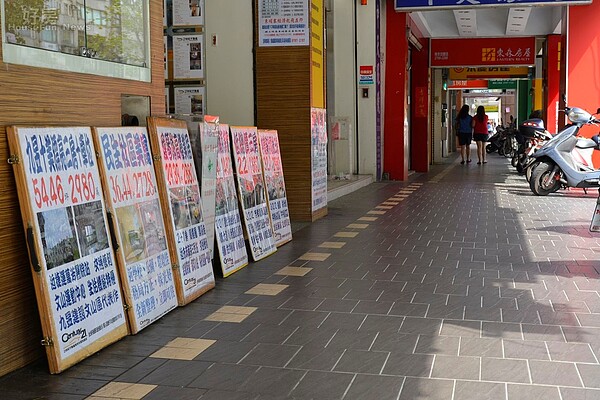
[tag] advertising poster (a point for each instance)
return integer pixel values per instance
(189, 100)
(188, 12)
(228, 224)
(283, 23)
(132, 198)
(275, 184)
(74, 271)
(319, 158)
(179, 190)
(188, 57)
(209, 141)
(252, 191)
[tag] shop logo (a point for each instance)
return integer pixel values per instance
(74, 338)
(488, 54)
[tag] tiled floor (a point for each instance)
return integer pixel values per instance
(457, 285)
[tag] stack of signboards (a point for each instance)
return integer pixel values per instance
(120, 227)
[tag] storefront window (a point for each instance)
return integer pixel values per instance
(108, 30)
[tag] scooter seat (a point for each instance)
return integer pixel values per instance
(586, 144)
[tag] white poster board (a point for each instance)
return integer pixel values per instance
(188, 56)
(143, 257)
(276, 195)
(251, 191)
(188, 12)
(74, 270)
(319, 158)
(189, 99)
(182, 209)
(283, 23)
(228, 224)
(209, 141)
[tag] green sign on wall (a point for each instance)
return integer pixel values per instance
(502, 84)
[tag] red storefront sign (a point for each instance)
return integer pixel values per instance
(489, 51)
(468, 84)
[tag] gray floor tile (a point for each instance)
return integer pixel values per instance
(374, 387)
(554, 373)
(395, 342)
(223, 351)
(223, 377)
(176, 373)
(179, 393)
(421, 326)
(361, 361)
(316, 358)
(337, 305)
(408, 365)
(579, 394)
(590, 374)
(454, 367)
(477, 347)
(272, 381)
(447, 345)
(467, 390)
(426, 389)
(528, 392)
(575, 352)
(408, 309)
(543, 332)
(271, 355)
(461, 328)
(525, 349)
(323, 385)
(499, 370)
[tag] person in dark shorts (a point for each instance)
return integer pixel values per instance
(480, 133)
(464, 131)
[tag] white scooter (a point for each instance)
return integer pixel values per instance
(560, 164)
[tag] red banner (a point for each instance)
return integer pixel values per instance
(488, 51)
(468, 84)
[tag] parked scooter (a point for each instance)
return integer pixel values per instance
(531, 136)
(559, 163)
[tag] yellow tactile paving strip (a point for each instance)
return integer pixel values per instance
(368, 219)
(183, 348)
(332, 245)
(346, 234)
(310, 256)
(122, 390)
(231, 314)
(293, 271)
(267, 289)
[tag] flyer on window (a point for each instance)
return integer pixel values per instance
(179, 189)
(75, 272)
(319, 158)
(129, 180)
(188, 56)
(252, 193)
(228, 224)
(188, 12)
(283, 23)
(276, 195)
(189, 100)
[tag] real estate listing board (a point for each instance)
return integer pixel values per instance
(179, 191)
(129, 180)
(228, 224)
(275, 184)
(74, 271)
(251, 191)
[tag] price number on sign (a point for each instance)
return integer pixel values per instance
(83, 188)
(48, 191)
(124, 190)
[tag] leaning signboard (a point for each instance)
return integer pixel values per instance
(129, 181)
(74, 270)
(251, 189)
(181, 206)
(228, 224)
(275, 184)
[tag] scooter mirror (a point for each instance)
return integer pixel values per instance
(598, 110)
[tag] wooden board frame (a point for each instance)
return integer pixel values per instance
(189, 286)
(251, 190)
(277, 203)
(40, 271)
(232, 257)
(132, 200)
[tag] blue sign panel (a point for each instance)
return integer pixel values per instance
(407, 5)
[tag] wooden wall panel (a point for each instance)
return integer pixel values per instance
(283, 103)
(38, 96)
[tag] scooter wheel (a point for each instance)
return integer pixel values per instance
(529, 170)
(514, 160)
(542, 181)
(519, 167)
(490, 148)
